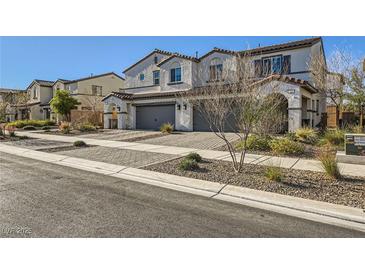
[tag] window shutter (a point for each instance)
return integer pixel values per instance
(258, 68)
(286, 64)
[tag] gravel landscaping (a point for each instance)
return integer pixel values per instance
(349, 191)
(36, 144)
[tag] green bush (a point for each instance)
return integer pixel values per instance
(188, 164)
(274, 173)
(256, 142)
(35, 123)
(329, 163)
(285, 146)
(80, 143)
(167, 128)
(306, 135)
(29, 128)
(87, 127)
(291, 136)
(46, 128)
(333, 137)
(194, 156)
(356, 129)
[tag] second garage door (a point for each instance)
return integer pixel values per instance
(153, 116)
(200, 122)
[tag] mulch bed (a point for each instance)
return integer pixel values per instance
(349, 191)
(58, 149)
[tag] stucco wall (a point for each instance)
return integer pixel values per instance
(146, 67)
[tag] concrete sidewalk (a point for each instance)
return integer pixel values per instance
(348, 217)
(285, 162)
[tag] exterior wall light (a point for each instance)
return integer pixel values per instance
(185, 106)
(178, 107)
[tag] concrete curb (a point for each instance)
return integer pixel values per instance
(338, 215)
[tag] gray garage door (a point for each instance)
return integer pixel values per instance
(153, 116)
(200, 122)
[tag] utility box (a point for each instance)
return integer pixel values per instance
(355, 144)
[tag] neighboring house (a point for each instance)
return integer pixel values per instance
(89, 91)
(9, 97)
(151, 85)
(39, 92)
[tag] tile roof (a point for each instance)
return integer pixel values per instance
(45, 83)
(175, 54)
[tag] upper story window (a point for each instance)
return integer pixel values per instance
(156, 77)
(272, 65)
(155, 59)
(58, 87)
(175, 74)
(35, 93)
(141, 77)
(97, 90)
(215, 70)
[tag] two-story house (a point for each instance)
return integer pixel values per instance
(150, 99)
(9, 97)
(88, 91)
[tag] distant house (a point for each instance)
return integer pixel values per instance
(9, 97)
(89, 91)
(152, 83)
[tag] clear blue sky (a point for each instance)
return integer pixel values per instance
(23, 59)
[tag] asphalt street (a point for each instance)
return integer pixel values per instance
(38, 199)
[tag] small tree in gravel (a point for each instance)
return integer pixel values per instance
(63, 103)
(235, 101)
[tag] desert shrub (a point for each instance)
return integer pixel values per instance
(291, 136)
(35, 123)
(12, 134)
(256, 142)
(29, 128)
(274, 173)
(65, 127)
(306, 135)
(333, 137)
(356, 129)
(167, 128)
(188, 164)
(329, 163)
(194, 156)
(46, 128)
(87, 127)
(285, 146)
(79, 143)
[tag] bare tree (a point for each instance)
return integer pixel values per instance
(328, 77)
(355, 80)
(233, 100)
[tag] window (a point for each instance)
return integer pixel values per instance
(276, 65)
(141, 77)
(286, 64)
(97, 90)
(175, 75)
(156, 77)
(258, 68)
(35, 93)
(156, 59)
(266, 66)
(215, 72)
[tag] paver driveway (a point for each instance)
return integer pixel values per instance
(198, 140)
(120, 134)
(125, 157)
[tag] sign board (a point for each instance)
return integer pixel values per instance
(355, 144)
